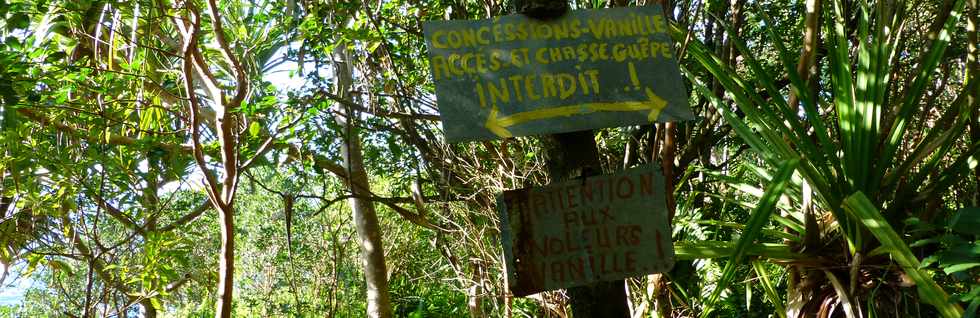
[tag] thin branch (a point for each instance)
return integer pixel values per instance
(115, 212)
(189, 46)
(226, 51)
(266, 145)
(187, 218)
(381, 113)
(113, 139)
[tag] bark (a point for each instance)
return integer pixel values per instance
(364, 215)
(148, 310)
(221, 195)
(368, 232)
(811, 36)
(657, 283)
(670, 149)
(475, 297)
(226, 265)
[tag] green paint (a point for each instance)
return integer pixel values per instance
(608, 63)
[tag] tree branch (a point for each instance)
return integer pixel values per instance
(226, 51)
(113, 139)
(187, 218)
(116, 213)
(190, 45)
(380, 113)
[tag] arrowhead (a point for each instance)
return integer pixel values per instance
(493, 124)
(657, 104)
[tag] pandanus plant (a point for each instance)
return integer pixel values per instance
(844, 139)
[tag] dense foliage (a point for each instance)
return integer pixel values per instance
(194, 158)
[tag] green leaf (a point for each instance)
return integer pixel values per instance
(758, 219)
(691, 250)
(971, 311)
(930, 59)
(55, 57)
(770, 289)
(12, 42)
(966, 221)
(924, 242)
(860, 208)
(254, 129)
(959, 252)
(18, 20)
(33, 260)
(57, 264)
(959, 267)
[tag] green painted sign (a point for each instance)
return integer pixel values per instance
(585, 230)
(516, 76)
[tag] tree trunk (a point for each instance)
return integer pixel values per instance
(225, 127)
(657, 283)
(148, 310)
(572, 155)
(364, 215)
(226, 265)
(475, 297)
(368, 231)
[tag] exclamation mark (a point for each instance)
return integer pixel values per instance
(633, 78)
(660, 247)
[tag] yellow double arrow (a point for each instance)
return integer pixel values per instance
(498, 125)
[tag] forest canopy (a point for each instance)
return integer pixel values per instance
(229, 158)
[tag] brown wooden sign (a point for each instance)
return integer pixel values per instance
(585, 230)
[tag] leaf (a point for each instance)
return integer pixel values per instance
(57, 264)
(930, 59)
(770, 289)
(12, 42)
(18, 20)
(924, 242)
(971, 311)
(974, 293)
(32, 261)
(851, 309)
(859, 207)
(254, 129)
(688, 250)
(60, 27)
(959, 267)
(959, 254)
(758, 218)
(966, 221)
(55, 57)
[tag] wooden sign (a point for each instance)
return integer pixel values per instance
(515, 76)
(585, 230)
